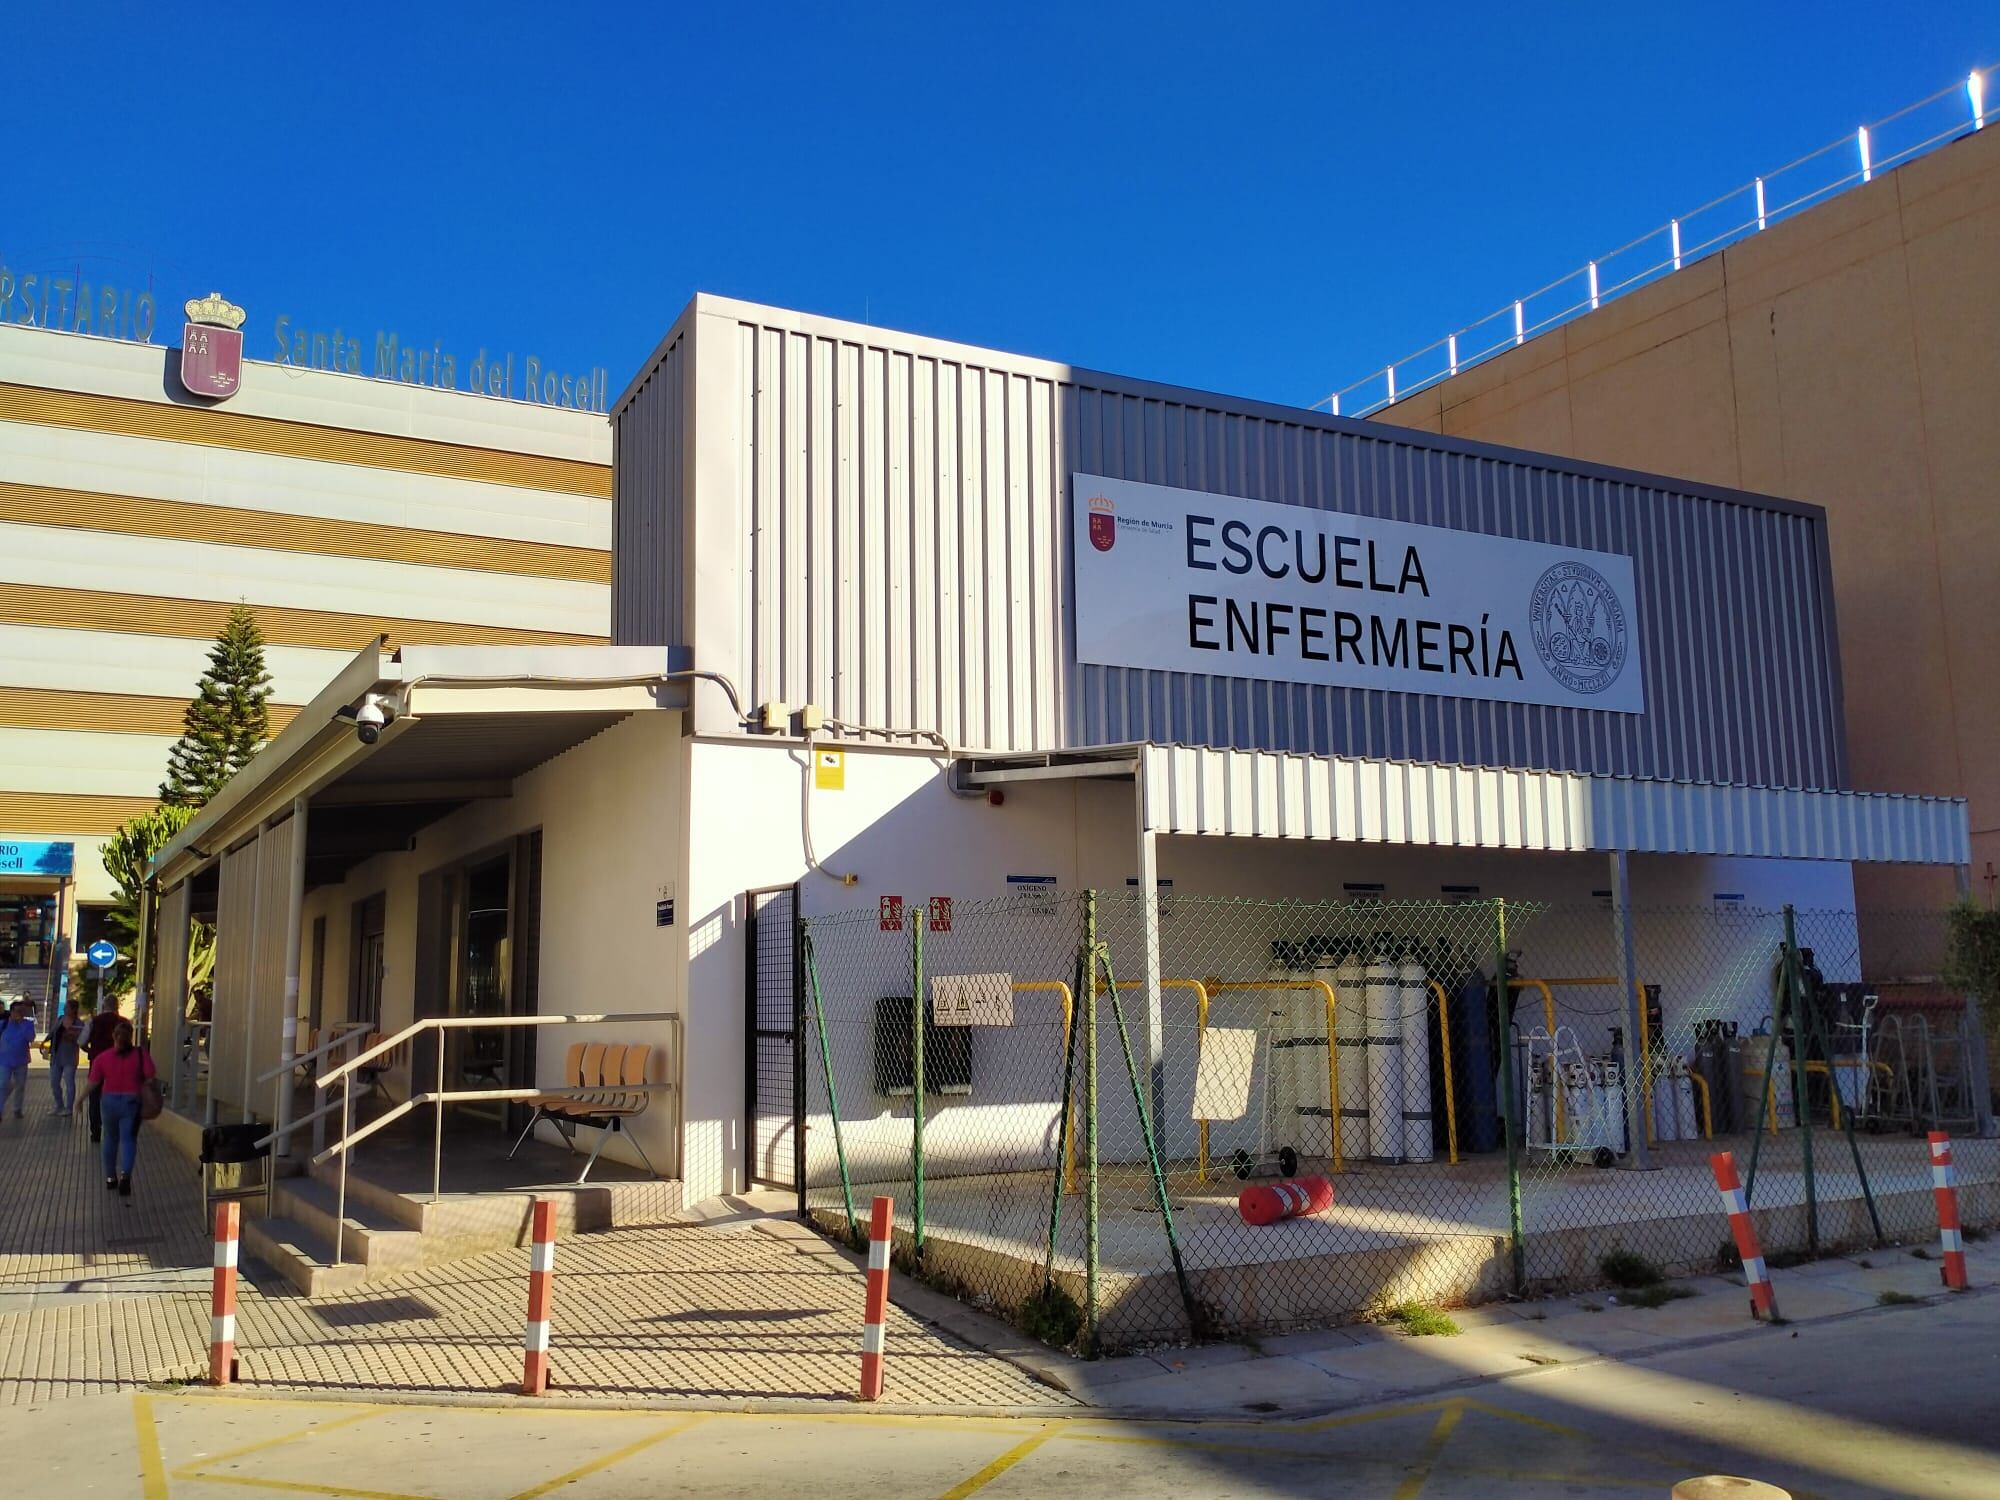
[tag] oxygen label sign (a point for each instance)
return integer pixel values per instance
(1180, 581)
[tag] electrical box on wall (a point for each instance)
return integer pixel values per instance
(947, 1051)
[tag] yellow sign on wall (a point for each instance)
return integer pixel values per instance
(830, 770)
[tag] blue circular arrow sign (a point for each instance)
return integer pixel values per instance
(101, 954)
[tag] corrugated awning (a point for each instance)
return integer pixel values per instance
(1271, 795)
(1259, 794)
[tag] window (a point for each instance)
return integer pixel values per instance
(364, 981)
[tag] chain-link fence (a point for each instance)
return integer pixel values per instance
(1069, 1116)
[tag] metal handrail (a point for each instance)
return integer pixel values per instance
(440, 1096)
(351, 1033)
(449, 1023)
(1444, 358)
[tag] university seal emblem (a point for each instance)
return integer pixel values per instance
(1581, 633)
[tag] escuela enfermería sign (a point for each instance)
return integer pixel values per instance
(1177, 580)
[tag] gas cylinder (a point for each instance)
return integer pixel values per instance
(1266, 1203)
(1414, 984)
(1385, 1058)
(1351, 1037)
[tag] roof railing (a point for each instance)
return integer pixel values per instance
(1910, 132)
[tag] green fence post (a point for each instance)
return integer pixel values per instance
(826, 1066)
(916, 920)
(1063, 1142)
(1847, 1118)
(1510, 1112)
(1152, 1149)
(1801, 1104)
(1090, 1226)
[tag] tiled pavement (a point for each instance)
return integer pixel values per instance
(99, 1293)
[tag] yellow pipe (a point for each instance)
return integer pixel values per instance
(1201, 1029)
(1832, 1089)
(1056, 986)
(1707, 1110)
(1332, 1055)
(1450, 1093)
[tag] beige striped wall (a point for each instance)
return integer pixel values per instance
(130, 524)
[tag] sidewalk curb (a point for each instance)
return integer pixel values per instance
(1078, 1411)
(1001, 1340)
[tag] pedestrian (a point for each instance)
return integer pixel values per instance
(17, 1035)
(64, 1041)
(97, 1038)
(121, 1076)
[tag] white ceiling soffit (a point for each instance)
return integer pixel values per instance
(1260, 794)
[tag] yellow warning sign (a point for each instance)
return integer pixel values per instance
(830, 770)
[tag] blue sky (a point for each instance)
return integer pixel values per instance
(1268, 200)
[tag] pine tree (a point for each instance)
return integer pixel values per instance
(227, 719)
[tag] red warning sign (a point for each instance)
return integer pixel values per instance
(892, 913)
(940, 914)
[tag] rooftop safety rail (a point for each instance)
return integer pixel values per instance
(1910, 132)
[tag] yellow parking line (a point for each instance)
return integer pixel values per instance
(597, 1465)
(1522, 1417)
(211, 1460)
(1447, 1423)
(999, 1466)
(152, 1469)
(300, 1487)
(1379, 1414)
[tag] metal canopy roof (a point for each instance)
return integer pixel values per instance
(1264, 794)
(380, 802)
(469, 721)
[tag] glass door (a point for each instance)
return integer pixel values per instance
(477, 1058)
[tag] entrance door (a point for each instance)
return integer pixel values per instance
(476, 1057)
(774, 1084)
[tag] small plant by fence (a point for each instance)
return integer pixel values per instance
(1065, 1121)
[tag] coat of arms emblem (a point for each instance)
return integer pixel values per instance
(212, 347)
(1103, 523)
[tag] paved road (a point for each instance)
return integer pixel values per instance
(1894, 1402)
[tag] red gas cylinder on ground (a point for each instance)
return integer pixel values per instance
(1269, 1202)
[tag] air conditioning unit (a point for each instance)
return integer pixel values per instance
(947, 1052)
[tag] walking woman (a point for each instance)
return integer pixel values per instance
(121, 1074)
(65, 1039)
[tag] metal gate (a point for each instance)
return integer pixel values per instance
(773, 1006)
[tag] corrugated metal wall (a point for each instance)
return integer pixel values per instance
(267, 962)
(1250, 794)
(901, 519)
(647, 457)
(229, 1036)
(169, 997)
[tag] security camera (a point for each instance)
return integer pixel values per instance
(376, 710)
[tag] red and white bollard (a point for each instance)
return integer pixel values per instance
(1763, 1298)
(1944, 1186)
(541, 1289)
(222, 1297)
(881, 1229)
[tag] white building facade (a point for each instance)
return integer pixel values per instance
(898, 618)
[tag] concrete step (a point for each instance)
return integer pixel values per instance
(373, 1238)
(300, 1256)
(363, 1195)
